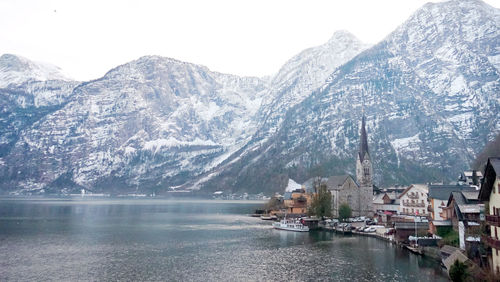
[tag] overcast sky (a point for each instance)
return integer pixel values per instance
(88, 38)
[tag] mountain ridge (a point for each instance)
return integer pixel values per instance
(429, 91)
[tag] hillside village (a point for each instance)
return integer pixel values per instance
(456, 221)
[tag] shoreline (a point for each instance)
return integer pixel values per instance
(428, 252)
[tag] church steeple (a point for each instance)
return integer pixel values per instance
(363, 145)
(364, 169)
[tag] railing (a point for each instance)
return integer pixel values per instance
(421, 205)
(412, 196)
(492, 242)
(493, 220)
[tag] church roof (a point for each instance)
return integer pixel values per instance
(363, 146)
(335, 182)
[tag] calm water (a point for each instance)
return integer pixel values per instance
(169, 240)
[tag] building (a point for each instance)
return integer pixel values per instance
(462, 210)
(296, 202)
(471, 177)
(490, 193)
(364, 173)
(386, 203)
(438, 199)
(415, 226)
(357, 194)
(344, 190)
(413, 201)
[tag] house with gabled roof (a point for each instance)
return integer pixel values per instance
(490, 193)
(438, 199)
(462, 210)
(413, 200)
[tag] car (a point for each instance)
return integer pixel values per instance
(370, 229)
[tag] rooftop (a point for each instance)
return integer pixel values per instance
(442, 192)
(491, 172)
(335, 182)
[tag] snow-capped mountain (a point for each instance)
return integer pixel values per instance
(151, 122)
(294, 82)
(429, 90)
(28, 91)
(15, 70)
(304, 73)
(431, 95)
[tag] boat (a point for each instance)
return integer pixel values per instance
(268, 217)
(291, 225)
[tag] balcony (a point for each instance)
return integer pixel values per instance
(414, 196)
(421, 205)
(493, 220)
(492, 242)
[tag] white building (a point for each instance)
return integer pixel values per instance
(413, 201)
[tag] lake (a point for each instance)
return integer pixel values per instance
(184, 240)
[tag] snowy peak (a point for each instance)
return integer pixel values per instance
(17, 70)
(304, 73)
(461, 20)
(343, 36)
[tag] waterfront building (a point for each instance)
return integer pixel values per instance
(358, 194)
(364, 174)
(344, 190)
(462, 210)
(438, 199)
(413, 201)
(386, 203)
(296, 202)
(490, 193)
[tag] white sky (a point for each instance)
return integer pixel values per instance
(88, 38)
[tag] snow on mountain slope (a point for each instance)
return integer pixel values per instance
(296, 80)
(430, 92)
(16, 70)
(303, 73)
(152, 122)
(28, 91)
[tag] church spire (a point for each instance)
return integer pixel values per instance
(363, 145)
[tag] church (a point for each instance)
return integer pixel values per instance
(358, 194)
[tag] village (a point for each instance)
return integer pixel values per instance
(457, 224)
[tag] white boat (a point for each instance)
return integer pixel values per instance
(291, 225)
(268, 217)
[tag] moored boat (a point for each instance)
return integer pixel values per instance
(291, 225)
(268, 217)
